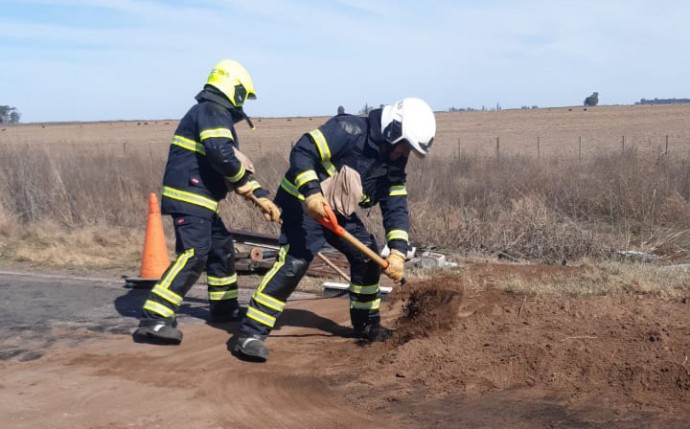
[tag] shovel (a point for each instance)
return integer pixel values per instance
(331, 222)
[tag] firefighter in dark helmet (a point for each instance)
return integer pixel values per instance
(204, 162)
(347, 162)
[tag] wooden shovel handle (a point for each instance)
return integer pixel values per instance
(331, 222)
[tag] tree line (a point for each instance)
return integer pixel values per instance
(664, 101)
(9, 115)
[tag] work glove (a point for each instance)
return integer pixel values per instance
(245, 190)
(396, 265)
(314, 204)
(271, 211)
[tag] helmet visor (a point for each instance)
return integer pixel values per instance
(240, 95)
(393, 132)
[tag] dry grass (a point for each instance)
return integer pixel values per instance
(49, 244)
(585, 278)
(550, 209)
(90, 182)
(602, 278)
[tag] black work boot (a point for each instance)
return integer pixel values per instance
(373, 332)
(226, 311)
(158, 331)
(251, 347)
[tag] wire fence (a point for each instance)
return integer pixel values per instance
(577, 148)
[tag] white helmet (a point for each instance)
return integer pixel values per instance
(411, 120)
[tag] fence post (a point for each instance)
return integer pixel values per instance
(498, 148)
(623, 146)
(666, 152)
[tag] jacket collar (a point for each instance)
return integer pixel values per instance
(375, 133)
(213, 95)
(210, 93)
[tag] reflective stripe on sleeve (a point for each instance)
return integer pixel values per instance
(255, 185)
(215, 132)
(291, 189)
(238, 176)
(397, 234)
(324, 151)
(190, 198)
(305, 177)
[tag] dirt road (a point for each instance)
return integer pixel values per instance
(487, 359)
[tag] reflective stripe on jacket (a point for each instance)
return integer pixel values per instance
(353, 141)
(201, 160)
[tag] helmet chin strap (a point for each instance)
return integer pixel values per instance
(249, 121)
(240, 115)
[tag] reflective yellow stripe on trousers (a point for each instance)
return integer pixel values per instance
(268, 301)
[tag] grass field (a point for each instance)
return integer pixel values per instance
(541, 184)
(562, 132)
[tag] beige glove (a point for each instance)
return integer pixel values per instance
(271, 211)
(396, 265)
(245, 190)
(314, 204)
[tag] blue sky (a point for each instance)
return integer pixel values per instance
(73, 60)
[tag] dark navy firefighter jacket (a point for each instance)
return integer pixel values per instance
(354, 141)
(201, 162)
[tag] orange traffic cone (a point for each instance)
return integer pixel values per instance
(155, 259)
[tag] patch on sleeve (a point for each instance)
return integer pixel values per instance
(350, 126)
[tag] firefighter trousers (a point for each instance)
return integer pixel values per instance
(300, 239)
(201, 244)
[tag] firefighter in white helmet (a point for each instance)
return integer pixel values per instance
(348, 161)
(204, 162)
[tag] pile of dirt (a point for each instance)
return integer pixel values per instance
(603, 356)
(429, 308)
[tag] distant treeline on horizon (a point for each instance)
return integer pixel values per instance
(664, 101)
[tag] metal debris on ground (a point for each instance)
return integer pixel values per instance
(257, 252)
(333, 289)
